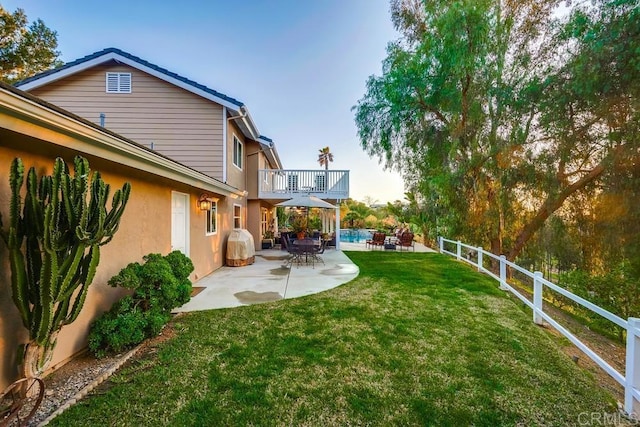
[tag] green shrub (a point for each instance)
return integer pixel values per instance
(180, 264)
(158, 285)
(617, 291)
(120, 328)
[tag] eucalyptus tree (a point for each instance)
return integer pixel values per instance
(477, 104)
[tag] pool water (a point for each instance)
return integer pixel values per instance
(355, 236)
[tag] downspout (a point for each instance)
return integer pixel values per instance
(224, 144)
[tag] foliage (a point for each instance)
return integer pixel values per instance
(399, 345)
(158, 285)
(299, 224)
(25, 51)
(617, 291)
(181, 265)
(500, 111)
(121, 328)
(353, 213)
(54, 248)
(325, 157)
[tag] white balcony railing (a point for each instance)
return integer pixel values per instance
(284, 183)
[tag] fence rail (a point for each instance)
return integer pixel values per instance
(476, 256)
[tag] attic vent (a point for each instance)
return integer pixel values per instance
(118, 82)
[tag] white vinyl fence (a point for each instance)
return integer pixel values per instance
(476, 256)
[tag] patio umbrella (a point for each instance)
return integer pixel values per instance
(305, 200)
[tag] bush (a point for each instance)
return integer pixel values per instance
(617, 291)
(158, 285)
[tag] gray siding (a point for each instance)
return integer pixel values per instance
(181, 125)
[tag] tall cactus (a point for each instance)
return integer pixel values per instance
(54, 248)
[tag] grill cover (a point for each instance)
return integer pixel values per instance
(240, 248)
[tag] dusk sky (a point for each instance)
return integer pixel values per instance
(298, 65)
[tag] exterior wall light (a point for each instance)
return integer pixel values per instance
(204, 203)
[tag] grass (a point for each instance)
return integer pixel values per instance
(416, 339)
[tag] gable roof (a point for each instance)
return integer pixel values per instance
(101, 142)
(238, 110)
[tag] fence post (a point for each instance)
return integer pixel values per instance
(480, 268)
(503, 273)
(537, 297)
(441, 243)
(632, 405)
(459, 250)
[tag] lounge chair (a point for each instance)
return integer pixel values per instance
(406, 241)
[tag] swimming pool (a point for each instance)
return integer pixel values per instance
(349, 235)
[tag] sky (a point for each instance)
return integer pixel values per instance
(298, 65)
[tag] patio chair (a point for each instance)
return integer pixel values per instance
(378, 240)
(406, 241)
(319, 251)
(292, 250)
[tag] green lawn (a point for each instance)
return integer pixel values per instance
(416, 339)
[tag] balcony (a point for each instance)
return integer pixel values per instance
(281, 184)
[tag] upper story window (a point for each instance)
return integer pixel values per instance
(118, 83)
(237, 152)
(212, 218)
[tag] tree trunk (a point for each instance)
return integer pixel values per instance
(549, 207)
(496, 248)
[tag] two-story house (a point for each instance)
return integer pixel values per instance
(164, 210)
(188, 122)
(198, 166)
(172, 115)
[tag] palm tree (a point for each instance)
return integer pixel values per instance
(325, 157)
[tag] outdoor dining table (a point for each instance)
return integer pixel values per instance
(307, 247)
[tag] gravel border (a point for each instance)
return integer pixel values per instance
(76, 379)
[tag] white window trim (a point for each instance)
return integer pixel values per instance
(233, 154)
(214, 204)
(119, 84)
(239, 217)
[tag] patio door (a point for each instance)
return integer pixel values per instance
(180, 222)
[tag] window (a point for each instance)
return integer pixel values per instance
(237, 216)
(212, 218)
(237, 152)
(118, 83)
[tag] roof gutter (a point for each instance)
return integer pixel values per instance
(269, 148)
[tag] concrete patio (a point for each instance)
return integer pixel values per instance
(270, 279)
